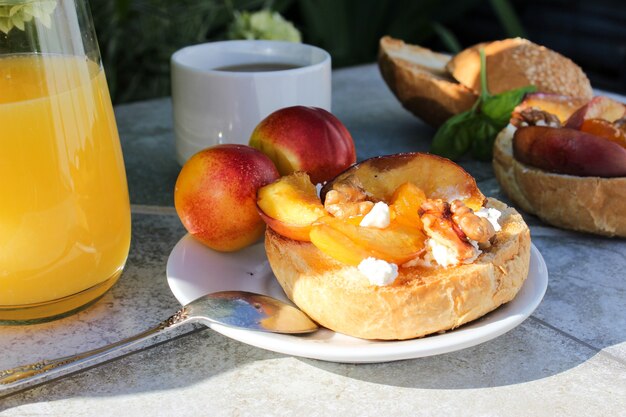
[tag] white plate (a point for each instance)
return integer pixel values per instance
(194, 270)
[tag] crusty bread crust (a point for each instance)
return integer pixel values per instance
(419, 79)
(514, 63)
(587, 204)
(421, 301)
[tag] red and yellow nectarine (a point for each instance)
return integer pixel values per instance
(215, 195)
(307, 139)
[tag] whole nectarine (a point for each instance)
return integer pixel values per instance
(215, 195)
(306, 139)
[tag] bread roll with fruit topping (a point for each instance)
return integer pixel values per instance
(414, 270)
(578, 180)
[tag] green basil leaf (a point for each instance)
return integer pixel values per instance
(452, 140)
(484, 132)
(499, 107)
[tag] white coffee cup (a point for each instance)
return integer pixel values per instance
(212, 103)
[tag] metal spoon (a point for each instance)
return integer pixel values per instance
(239, 309)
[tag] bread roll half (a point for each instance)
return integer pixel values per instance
(587, 204)
(421, 301)
(419, 79)
(517, 62)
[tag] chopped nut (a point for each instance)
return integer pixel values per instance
(476, 228)
(534, 117)
(436, 216)
(347, 199)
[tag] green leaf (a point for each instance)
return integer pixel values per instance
(453, 139)
(477, 128)
(6, 24)
(499, 107)
(18, 21)
(508, 18)
(447, 37)
(15, 9)
(483, 132)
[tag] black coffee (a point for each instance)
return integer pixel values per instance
(258, 67)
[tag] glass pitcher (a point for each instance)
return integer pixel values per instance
(64, 206)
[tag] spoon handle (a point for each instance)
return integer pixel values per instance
(26, 375)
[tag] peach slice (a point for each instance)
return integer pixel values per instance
(405, 204)
(569, 151)
(438, 177)
(605, 130)
(561, 106)
(598, 108)
(350, 244)
(290, 205)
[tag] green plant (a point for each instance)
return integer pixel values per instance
(138, 37)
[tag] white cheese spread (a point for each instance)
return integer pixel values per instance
(446, 256)
(377, 217)
(492, 215)
(378, 272)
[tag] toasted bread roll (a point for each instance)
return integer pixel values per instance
(421, 300)
(514, 63)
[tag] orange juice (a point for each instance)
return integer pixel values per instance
(64, 209)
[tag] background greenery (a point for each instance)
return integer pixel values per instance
(137, 37)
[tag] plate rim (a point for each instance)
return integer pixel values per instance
(367, 351)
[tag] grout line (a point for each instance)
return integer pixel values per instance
(579, 341)
(154, 210)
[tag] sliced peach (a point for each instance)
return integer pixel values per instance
(605, 130)
(561, 106)
(337, 245)
(292, 231)
(290, 205)
(350, 244)
(405, 204)
(569, 151)
(438, 177)
(600, 107)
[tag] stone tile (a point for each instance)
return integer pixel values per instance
(586, 294)
(531, 370)
(148, 145)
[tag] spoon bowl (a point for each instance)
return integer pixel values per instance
(250, 311)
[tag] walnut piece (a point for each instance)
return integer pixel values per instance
(347, 199)
(437, 218)
(534, 117)
(476, 228)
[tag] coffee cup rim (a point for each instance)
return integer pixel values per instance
(181, 57)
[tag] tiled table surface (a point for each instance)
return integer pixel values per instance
(567, 359)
